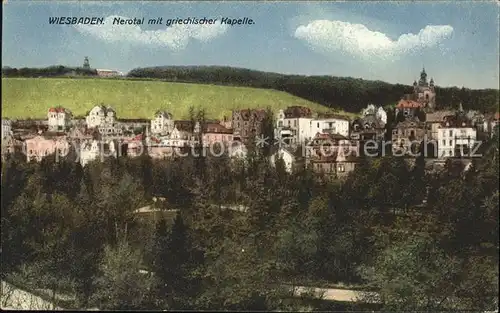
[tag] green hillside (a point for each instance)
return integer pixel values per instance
(31, 97)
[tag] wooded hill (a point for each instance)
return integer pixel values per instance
(346, 93)
(343, 93)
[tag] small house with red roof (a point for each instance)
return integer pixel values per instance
(59, 119)
(216, 133)
(337, 164)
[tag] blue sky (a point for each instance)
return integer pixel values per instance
(457, 42)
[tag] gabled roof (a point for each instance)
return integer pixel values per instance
(212, 127)
(59, 109)
(183, 125)
(248, 114)
(163, 113)
(456, 121)
(438, 116)
(403, 103)
(371, 120)
(297, 112)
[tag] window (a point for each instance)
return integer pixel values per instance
(444, 142)
(280, 123)
(317, 125)
(451, 133)
(341, 168)
(451, 143)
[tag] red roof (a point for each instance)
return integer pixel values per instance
(57, 110)
(216, 128)
(408, 104)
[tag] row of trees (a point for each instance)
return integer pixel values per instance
(74, 230)
(51, 71)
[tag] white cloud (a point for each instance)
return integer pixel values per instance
(358, 40)
(175, 37)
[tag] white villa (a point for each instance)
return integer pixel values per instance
(59, 119)
(101, 116)
(162, 123)
(287, 157)
(6, 128)
(297, 127)
(455, 138)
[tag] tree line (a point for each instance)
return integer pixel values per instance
(73, 230)
(51, 71)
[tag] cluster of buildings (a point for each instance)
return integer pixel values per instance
(327, 143)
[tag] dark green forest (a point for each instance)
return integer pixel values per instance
(73, 231)
(51, 71)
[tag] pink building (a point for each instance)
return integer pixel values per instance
(38, 147)
(216, 133)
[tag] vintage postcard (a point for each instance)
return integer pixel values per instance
(254, 155)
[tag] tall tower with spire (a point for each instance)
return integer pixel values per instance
(86, 63)
(424, 92)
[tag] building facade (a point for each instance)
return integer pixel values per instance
(59, 119)
(162, 123)
(247, 123)
(97, 150)
(215, 133)
(39, 147)
(456, 137)
(101, 117)
(407, 136)
(369, 127)
(286, 155)
(295, 125)
(6, 128)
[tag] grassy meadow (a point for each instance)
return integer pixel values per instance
(31, 97)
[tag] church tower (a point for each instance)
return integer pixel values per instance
(424, 92)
